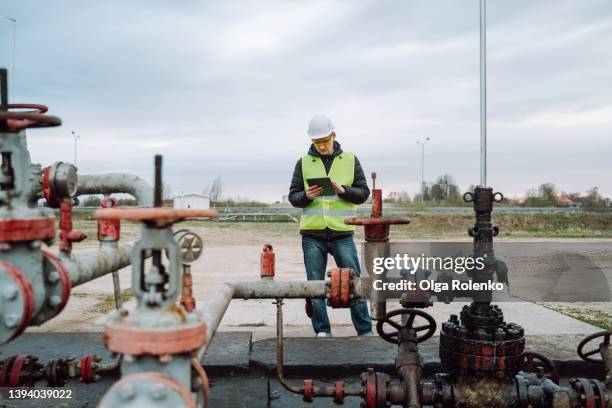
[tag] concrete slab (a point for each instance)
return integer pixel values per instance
(228, 352)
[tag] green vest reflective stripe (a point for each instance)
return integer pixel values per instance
(328, 211)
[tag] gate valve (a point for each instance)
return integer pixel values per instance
(109, 230)
(67, 234)
(376, 226)
(267, 262)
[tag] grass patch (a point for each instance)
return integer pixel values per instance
(107, 302)
(593, 317)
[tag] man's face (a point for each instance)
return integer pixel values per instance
(325, 145)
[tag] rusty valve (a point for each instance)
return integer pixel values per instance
(109, 230)
(267, 262)
(67, 234)
(376, 226)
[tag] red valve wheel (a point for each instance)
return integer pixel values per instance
(586, 356)
(159, 216)
(18, 120)
(376, 220)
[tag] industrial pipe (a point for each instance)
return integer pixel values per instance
(89, 266)
(213, 310)
(117, 183)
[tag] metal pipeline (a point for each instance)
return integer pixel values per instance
(106, 259)
(117, 183)
(213, 310)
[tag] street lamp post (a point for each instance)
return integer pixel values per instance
(14, 21)
(75, 146)
(422, 165)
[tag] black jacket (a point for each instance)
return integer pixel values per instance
(357, 193)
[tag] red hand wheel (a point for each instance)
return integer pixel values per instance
(22, 119)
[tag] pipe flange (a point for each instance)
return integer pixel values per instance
(27, 229)
(56, 373)
(340, 287)
(121, 338)
(85, 370)
(150, 389)
(17, 302)
(339, 392)
(58, 285)
(20, 370)
(370, 389)
(308, 390)
(540, 364)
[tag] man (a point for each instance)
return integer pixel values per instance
(322, 222)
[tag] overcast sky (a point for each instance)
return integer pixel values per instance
(227, 88)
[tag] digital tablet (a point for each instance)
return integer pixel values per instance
(325, 182)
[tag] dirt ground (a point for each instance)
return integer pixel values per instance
(231, 253)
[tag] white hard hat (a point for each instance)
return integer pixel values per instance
(320, 126)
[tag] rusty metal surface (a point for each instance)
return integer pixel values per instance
(109, 230)
(267, 262)
(28, 229)
(124, 338)
(117, 183)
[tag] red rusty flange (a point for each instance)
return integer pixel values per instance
(27, 294)
(339, 392)
(203, 377)
(161, 217)
(153, 377)
(16, 121)
(124, 339)
(345, 287)
(335, 280)
(308, 390)
(5, 373)
(64, 279)
(85, 369)
(267, 261)
(340, 287)
(28, 229)
(15, 376)
(109, 230)
(370, 396)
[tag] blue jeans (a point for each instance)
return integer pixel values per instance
(315, 260)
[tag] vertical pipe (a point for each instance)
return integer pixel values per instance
(483, 93)
(117, 290)
(157, 194)
(3, 90)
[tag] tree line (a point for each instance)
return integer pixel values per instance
(445, 192)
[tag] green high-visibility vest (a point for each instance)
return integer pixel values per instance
(328, 211)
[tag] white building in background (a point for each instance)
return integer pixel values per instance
(191, 201)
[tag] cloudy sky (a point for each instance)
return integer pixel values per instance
(227, 88)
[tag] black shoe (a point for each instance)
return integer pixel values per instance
(309, 309)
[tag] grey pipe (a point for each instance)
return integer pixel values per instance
(213, 310)
(104, 260)
(117, 183)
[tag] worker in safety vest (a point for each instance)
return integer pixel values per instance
(322, 222)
